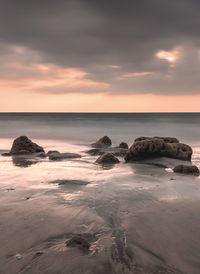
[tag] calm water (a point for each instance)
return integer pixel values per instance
(84, 127)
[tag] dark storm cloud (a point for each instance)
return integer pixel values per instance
(91, 34)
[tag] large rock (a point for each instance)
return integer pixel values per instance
(103, 142)
(185, 169)
(107, 158)
(165, 139)
(23, 145)
(158, 147)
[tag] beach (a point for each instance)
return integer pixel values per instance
(137, 218)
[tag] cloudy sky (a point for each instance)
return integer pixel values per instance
(92, 55)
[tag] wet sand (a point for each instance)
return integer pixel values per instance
(137, 218)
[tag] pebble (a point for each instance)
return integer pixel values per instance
(18, 256)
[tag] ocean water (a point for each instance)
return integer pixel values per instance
(85, 128)
(141, 218)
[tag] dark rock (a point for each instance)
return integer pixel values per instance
(184, 169)
(79, 242)
(157, 147)
(107, 158)
(52, 152)
(68, 182)
(6, 154)
(103, 142)
(62, 156)
(165, 139)
(94, 152)
(23, 145)
(123, 145)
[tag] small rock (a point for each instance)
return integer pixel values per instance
(6, 154)
(18, 256)
(123, 145)
(103, 142)
(62, 156)
(52, 152)
(39, 253)
(184, 169)
(79, 242)
(94, 152)
(107, 158)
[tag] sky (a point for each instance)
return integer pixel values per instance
(99, 56)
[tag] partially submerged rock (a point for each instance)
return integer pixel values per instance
(94, 152)
(50, 152)
(184, 169)
(103, 142)
(107, 158)
(79, 242)
(62, 156)
(158, 147)
(23, 145)
(165, 139)
(5, 154)
(123, 145)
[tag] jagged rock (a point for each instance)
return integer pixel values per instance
(165, 139)
(103, 142)
(185, 169)
(123, 145)
(62, 156)
(107, 158)
(94, 152)
(79, 242)
(52, 152)
(23, 145)
(157, 147)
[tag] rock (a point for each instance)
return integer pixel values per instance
(123, 145)
(39, 253)
(107, 158)
(157, 147)
(165, 139)
(18, 256)
(23, 145)
(94, 152)
(184, 169)
(52, 152)
(69, 182)
(79, 242)
(62, 156)
(6, 154)
(103, 142)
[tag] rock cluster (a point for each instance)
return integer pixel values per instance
(147, 147)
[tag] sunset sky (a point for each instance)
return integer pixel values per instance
(99, 56)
